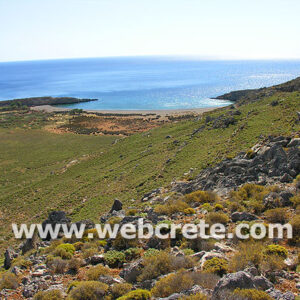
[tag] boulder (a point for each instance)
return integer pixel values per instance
(294, 142)
(232, 281)
(9, 255)
(243, 216)
(262, 283)
(29, 244)
(210, 255)
(131, 271)
(116, 206)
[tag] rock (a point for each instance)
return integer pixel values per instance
(9, 255)
(271, 200)
(131, 271)
(242, 216)
(262, 283)
(198, 254)
(277, 295)
(223, 248)
(109, 279)
(286, 178)
(116, 206)
(285, 198)
(232, 281)
(29, 244)
(39, 273)
(16, 270)
(294, 143)
(274, 103)
(56, 218)
(97, 259)
(172, 297)
(89, 224)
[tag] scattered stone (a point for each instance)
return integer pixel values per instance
(116, 206)
(242, 216)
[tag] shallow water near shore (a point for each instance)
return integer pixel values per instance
(142, 83)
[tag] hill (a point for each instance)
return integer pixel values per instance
(244, 96)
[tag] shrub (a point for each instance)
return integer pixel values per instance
(272, 263)
(78, 245)
(121, 243)
(94, 273)
(151, 252)
(86, 253)
(248, 252)
(216, 265)
(251, 294)
(67, 247)
(188, 251)
(218, 207)
(72, 285)
(102, 243)
(277, 215)
(131, 212)
(276, 250)
(21, 262)
(74, 264)
(48, 295)
(138, 294)
(207, 206)
(216, 217)
(57, 265)
(65, 251)
(197, 296)
(114, 258)
(295, 200)
(172, 283)
(120, 289)
(189, 211)
(114, 220)
(171, 207)
(91, 290)
(205, 280)
(295, 222)
(201, 197)
(132, 253)
(8, 281)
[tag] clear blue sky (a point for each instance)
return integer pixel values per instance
(233, 29)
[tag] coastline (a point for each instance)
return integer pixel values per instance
(162, 112)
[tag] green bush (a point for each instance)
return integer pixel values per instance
(67, 247)
(207, 207)
(251, 294)
(138, 294)
(216, 217)
(188, 251)
(218, 207)
(120, 289)
(151, 252)
(78, 245)
(94, 273)
(131, 212)
(8, 281)
(48, 295)
(121, 243)
(216, 265)
(114, 258)
(171, 207)
(132, 253)
(172, 283)
(201, 197)
(89, 290)
(277, 215)
(295, 222)
(197, 296)
(65, 251)
(57, 265)
(189, 211)
(295, 200)
(276, 250)
(74, 264)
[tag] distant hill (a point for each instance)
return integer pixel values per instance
(245, 96)
(36, 101)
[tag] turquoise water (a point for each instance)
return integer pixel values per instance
(140, 83)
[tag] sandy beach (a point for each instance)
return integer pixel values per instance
(163, 112)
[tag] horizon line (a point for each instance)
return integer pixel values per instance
(181, 56)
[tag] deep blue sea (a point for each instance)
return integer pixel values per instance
(141, 82)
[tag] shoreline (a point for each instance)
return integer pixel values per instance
(162, 112)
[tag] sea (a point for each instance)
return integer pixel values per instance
(141, 83)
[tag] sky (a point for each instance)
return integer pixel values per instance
(212, 29)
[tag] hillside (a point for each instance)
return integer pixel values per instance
(83, 174)
(36, 101)
(244, 96)
(49, 175)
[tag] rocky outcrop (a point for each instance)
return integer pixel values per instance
(117, 205)
(272, 161)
